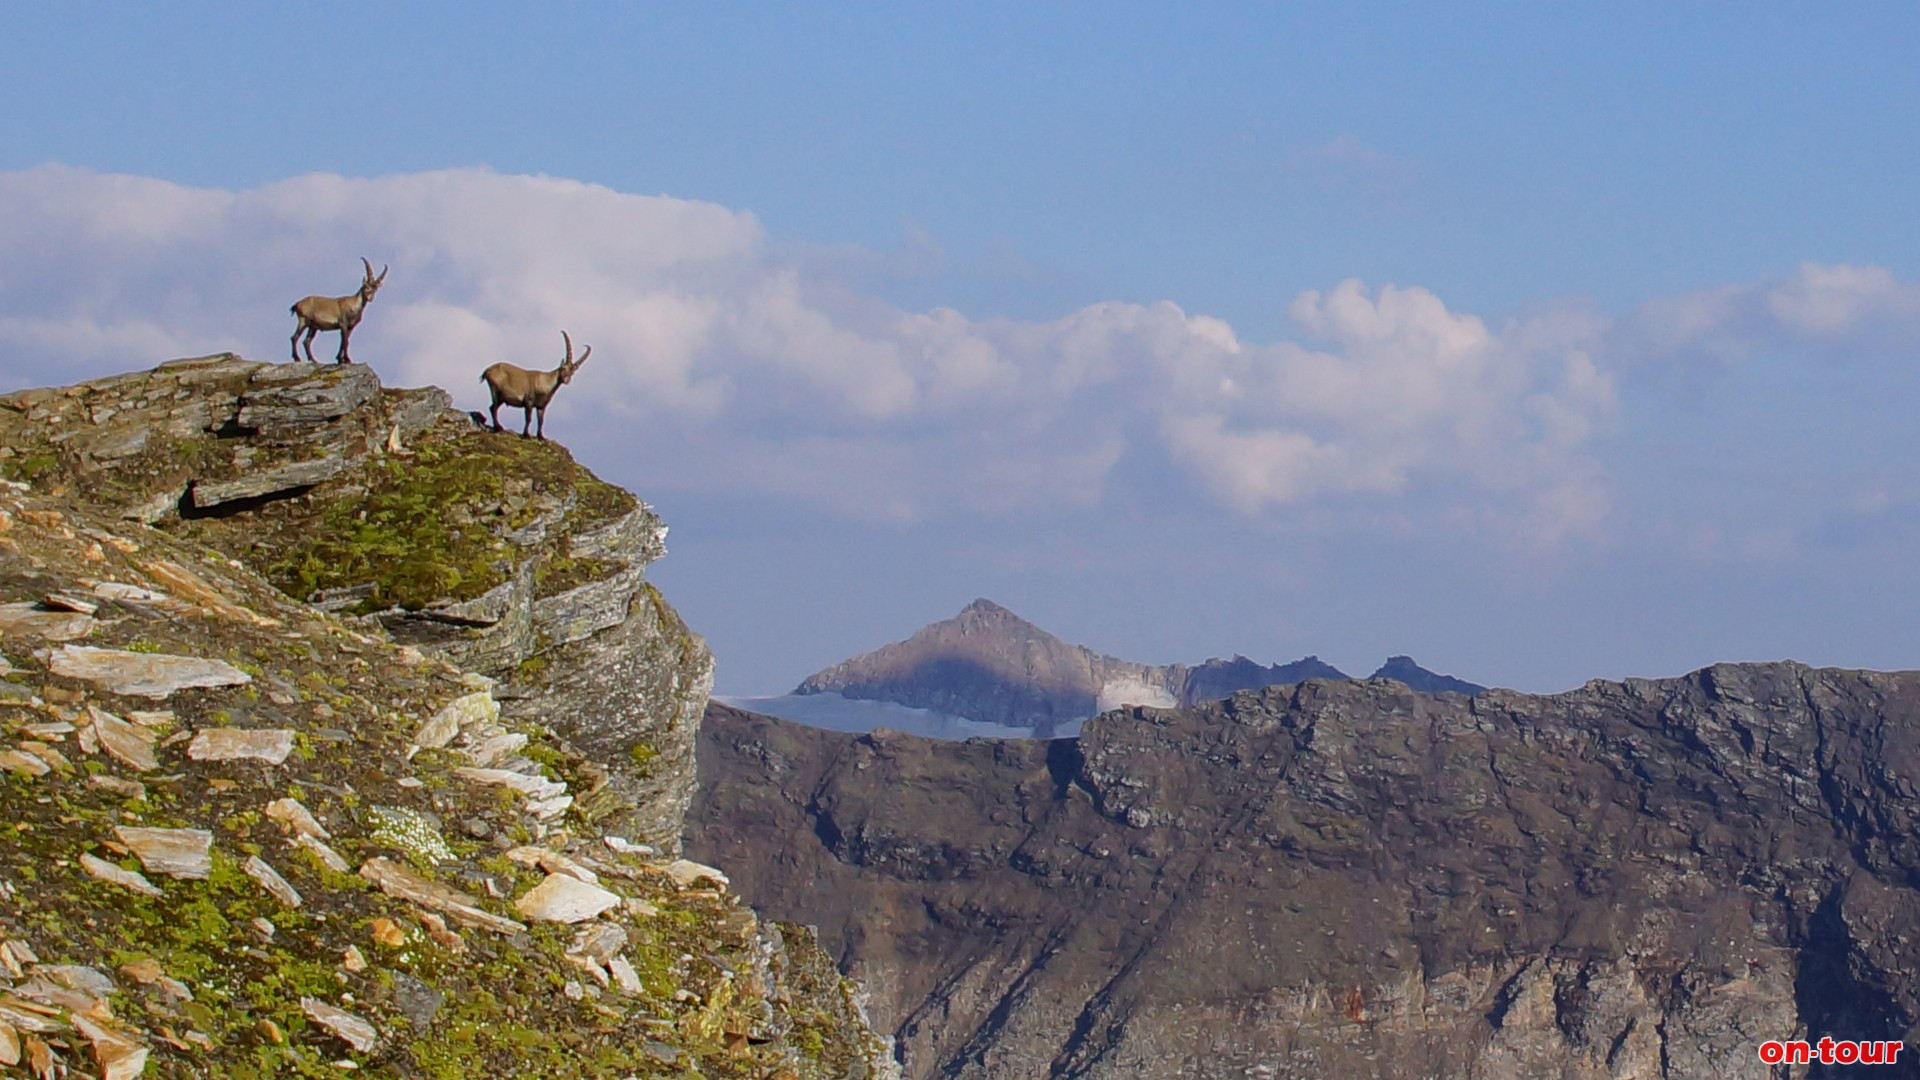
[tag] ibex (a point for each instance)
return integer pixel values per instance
(531, 390)
(342, 313)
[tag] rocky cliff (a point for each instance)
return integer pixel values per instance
(337, 733)
(1352, 879)
(990, 665)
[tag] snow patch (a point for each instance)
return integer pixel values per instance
(1121, 692)
(836, 713)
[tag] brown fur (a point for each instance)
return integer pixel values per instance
(342, 313)
(530, 390)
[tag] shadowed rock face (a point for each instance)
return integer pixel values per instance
(1352, 879)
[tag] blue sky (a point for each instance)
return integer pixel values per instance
(1539, 342)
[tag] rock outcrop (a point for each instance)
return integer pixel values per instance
(250, 835)
(990, 665)
(1645, 879)
(501, 555)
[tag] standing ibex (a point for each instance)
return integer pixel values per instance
(342, 313)
(530, 390)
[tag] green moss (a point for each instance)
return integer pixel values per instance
(561, 572)
(642, 753)
(31, 467)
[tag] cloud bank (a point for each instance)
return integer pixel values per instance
(718, 364)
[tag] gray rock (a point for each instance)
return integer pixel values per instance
(180, 853)
(354, 1030)
(271, 745)
(475, 708)
(136, 674)
(129, 744)
(564, 898)
(270, 880)
(35, 620)
(254, 483)
(417, 1001)
(414, 411)
(588, 609)
(289, 400)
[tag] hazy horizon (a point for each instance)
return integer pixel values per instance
(1539, 346)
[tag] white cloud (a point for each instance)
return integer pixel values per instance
(1834, 308)
(718, 363)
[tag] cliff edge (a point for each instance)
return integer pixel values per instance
(338, 733)
(1348, 879)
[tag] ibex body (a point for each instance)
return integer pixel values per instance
(530, 390)
(342, 313)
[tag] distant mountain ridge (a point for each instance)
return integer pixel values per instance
(988, 664)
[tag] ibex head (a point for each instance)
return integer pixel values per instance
(570, 365)
(370, 284)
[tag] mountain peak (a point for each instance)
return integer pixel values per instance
(1404, 669)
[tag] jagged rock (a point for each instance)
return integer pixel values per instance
(257, 482)
(1352, 879)
(34, 620)
(686, 872)
(270, 880)
(9, 1044)
(552, 862)
(296, 818)
(25, 764)
(285, 401)
(533, 787)
(355, 1031)
(328, 857)
(624, 976)
(79, 977)
(490, 751)
(475, 708)
(126, 879)
(119, 1055)
(638, 687)
(150, 973)
(131, 745)
(564, 898)
(417, 1001)
(581, 612)
(180, 853)
(271, 745)
(66, 602)
(446, 509)
(139, 674)
(195, 590)
(600, 942)
(397, 881)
